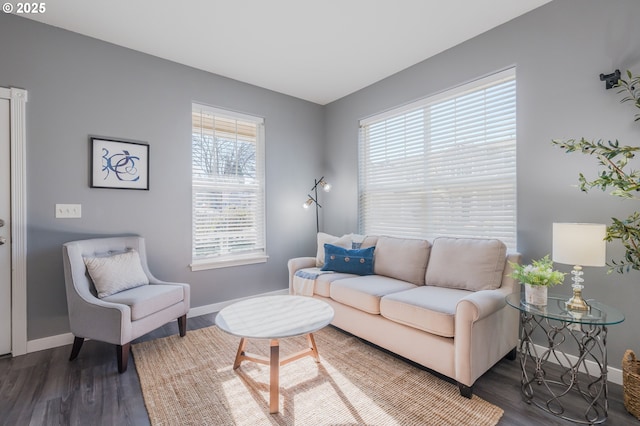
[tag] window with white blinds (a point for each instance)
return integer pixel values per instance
(443, 166)
(228, 222)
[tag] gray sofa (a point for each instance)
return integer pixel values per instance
(440, 304)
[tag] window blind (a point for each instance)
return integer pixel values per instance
(443, 166)
(228, 210)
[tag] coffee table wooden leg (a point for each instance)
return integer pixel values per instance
(274, 380)
(274, 365)
(313, 347)
(240, 353)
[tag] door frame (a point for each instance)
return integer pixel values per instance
(17, 125)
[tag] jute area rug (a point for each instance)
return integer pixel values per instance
(190, 381)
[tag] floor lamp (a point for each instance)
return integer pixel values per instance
(326, 186)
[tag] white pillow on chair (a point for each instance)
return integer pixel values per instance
(116, 273)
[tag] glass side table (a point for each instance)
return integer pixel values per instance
(565, 332)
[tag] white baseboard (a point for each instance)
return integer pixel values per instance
(614, 375)
(49, 342)
(216, 307)
(67, 338)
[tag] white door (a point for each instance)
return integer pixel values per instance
(5, 234)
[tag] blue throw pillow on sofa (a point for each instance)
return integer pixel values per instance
(339, 259)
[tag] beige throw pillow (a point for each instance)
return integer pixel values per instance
(467, 263)
(344, 242)
(116, 273)
(369, 241)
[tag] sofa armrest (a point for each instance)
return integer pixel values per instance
(296, 264)
(486, 328)
(509, 284)
(481, 304)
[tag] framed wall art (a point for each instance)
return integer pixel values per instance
(119, 164)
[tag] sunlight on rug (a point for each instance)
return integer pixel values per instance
(190, 381)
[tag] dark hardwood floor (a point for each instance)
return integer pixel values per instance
(44, 388)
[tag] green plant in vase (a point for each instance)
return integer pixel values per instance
(537, 278)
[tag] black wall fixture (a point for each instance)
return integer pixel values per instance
(610, 79)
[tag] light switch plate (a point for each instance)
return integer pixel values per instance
(68, 211)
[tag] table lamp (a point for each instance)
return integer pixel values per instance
(579, 244)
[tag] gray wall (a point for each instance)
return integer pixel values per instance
(559, 50)
(80, 86)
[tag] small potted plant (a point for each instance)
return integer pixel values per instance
(537, 278)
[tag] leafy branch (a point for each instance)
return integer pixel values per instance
(614, 158)
(628, 232)
(622, 181)
(631, 89)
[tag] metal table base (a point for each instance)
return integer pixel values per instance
(548, 391)
(565, 373)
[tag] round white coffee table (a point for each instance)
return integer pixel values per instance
(273, 318)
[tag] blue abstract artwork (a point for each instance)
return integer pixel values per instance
(119, 164)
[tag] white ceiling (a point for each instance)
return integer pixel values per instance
(318, 50)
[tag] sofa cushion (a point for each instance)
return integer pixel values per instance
(402, 258)
(322, 285)
(427, 308)
(148, 299)
(466, 263)
(364, 293)
(344, 242)
(356, 261)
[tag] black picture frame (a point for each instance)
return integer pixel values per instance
(119, 164)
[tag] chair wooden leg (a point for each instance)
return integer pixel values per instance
(122, 352)
(77, 345)
(182, 325)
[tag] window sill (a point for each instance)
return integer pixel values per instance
(203, 265)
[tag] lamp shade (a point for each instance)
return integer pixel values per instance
(579, 244)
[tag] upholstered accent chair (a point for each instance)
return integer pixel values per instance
(113, 297)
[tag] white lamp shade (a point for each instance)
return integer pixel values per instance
(579, 244)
